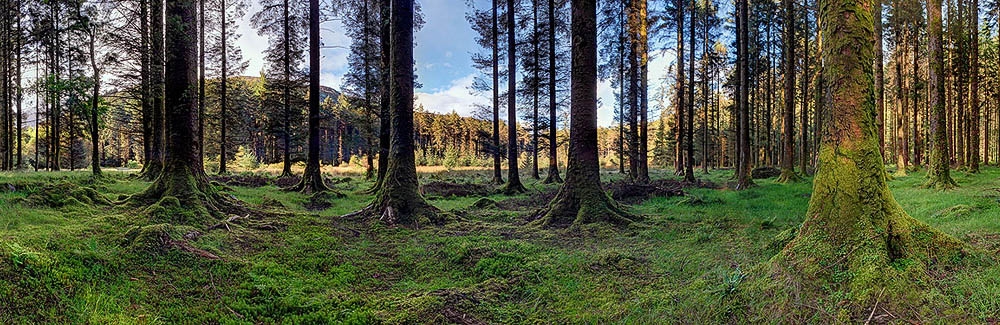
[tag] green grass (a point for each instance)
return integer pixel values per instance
(680, 264)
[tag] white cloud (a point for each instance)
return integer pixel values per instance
(456, 97)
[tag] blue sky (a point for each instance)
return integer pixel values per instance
(442, 55)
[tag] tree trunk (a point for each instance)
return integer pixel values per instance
(513, 177)
(743, 179)
(553, 174)
(879, 78)
(679, 112)
(183, 180)
(788, 126)
(157, 149)
(399, 201)
(689, 158)
(902, 146)
(804, 113)
(497, 176)
(581, 199)
(95, 160)
(855, 235)
(939, 173)
(974, 91)
(535, 90)
(312, 179)
(201, 76)
(223, 91)
(384, 136)
(643, 38)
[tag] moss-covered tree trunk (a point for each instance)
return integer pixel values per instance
(183, 181)
(513, 184)
(581, 199)
(553, 174)
(856, 240)
(398, 201)
(788, 124)
(312, 179)
(938, 173)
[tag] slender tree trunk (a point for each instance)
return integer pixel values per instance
(223, 91)
(553, 174)
(94, 111)
(384, 108)
(19, 43)
(689, 158)
(804, 113)
(974, 122)
(513, 177)
(879, 78)
(902, 150)
(679, 112)
(497, 176)
(581, 199)
(643, 91)
(157, 149)
(536, 81)
(788, 126)
(743, 179)
(201, 76)
(312, 179)
(633, 99)
(939, 174)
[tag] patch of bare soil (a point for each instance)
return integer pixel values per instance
(634, 193)
(765, 172)
(449, 189)
(533, 201)
(242, 180)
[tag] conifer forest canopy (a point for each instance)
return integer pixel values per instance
(603, 161)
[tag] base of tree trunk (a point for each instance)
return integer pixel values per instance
(312, 182)
(579, 206)
(940, 182)
(185, 198)
(151, 171)
(512, 188)
(552, 177)
(642, 179)
(399, 209)
(893, 267)
(788, 176)
(497, 180)
(748, 184)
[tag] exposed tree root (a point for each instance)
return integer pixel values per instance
(312, 182)
(402, 212)
(941, 183)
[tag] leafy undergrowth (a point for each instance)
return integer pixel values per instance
(77, 262)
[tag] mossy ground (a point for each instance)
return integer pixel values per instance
(686, 261)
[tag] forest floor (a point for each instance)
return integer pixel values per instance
(70, 258)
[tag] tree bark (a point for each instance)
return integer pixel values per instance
(788, 126)
(939, 173)
(183, 180)
(581, 199)
(399, 201)
(855, 234)
(974, 141)
(497, 176)
(689, 137)
(157, 148)
(553, 174)
(223, 91)
(743, 179)
(312, 179)
(513, 184)
(679, 112)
